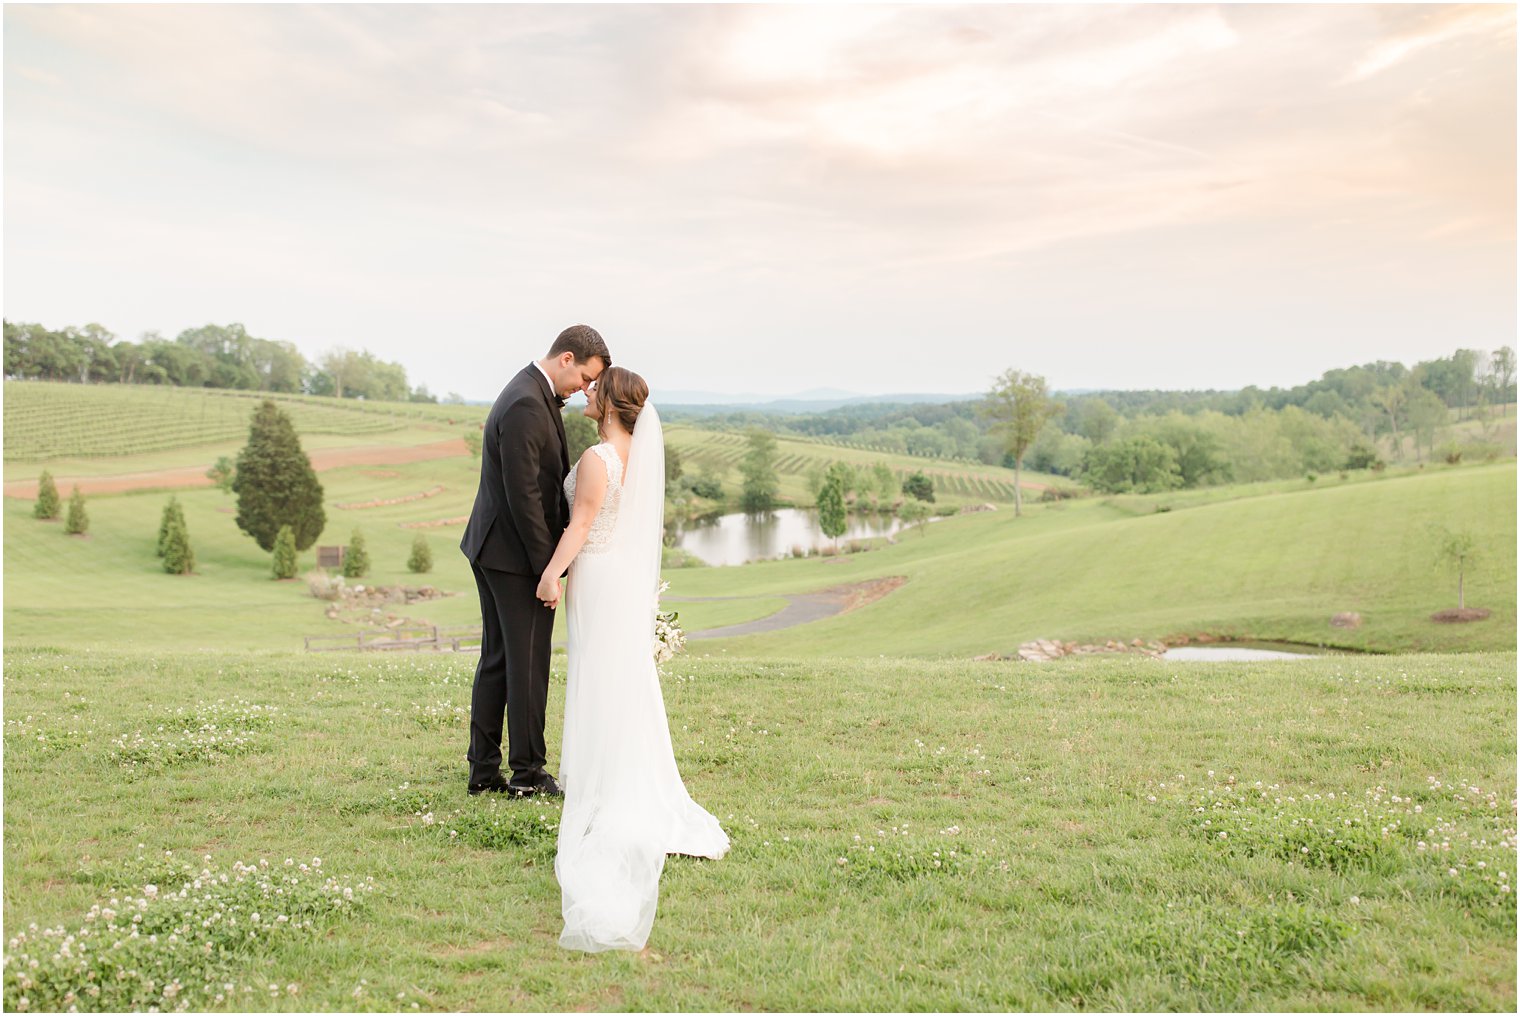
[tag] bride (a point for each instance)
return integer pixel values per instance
(625, 806)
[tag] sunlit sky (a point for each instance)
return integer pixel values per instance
(768, 199)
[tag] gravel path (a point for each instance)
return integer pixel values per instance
(801, 608)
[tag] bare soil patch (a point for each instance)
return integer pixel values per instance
(457, 520)
(1457, 615)
(382, 502)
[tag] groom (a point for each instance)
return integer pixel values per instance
(519, 514)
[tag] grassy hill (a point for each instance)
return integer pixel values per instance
(45, 421)
(1272, 566)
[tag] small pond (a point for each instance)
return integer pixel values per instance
(737, 538)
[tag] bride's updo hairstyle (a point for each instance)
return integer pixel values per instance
(622, 392)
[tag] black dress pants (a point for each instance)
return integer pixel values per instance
(512, 677)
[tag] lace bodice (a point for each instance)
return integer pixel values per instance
(601, 527)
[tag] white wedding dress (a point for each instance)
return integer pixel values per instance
(625, 806)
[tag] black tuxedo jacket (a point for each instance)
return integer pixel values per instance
(520, 510)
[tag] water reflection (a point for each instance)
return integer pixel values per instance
(735, 539)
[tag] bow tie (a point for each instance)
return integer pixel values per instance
(561, 401)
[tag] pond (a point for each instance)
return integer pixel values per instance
(737, 538)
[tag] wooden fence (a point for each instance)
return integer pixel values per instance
(415, 638)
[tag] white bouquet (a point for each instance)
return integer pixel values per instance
(669, 639)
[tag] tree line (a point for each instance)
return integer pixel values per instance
(211, 356)
(1114, 441)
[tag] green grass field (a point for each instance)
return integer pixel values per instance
(912, 829)
(908, 835)
(45, 422)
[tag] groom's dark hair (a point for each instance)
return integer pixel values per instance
(582, 340)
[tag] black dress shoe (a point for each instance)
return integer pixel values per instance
(546, 786)
(496, 786)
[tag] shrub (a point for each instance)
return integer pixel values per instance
(914, 513)
(704, 485)
(172, 511)
(472, 441)
(275, 484)
(78, 521)
(221, 474)
(1363, 456)
(422, 556)
(356, 558)
(285, 554)
(324, 586)
(179, 558)
(919, 486)
(47, 497)
(1059, 492)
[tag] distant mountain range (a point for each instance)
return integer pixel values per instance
(817, 400)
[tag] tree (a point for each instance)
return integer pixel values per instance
(758, 469)
(1096, 420)
(580, 434)
(285, 560)
(174, 544)
(356, 558)
(1501, 376)
(1459, 549)
(1393, 400)
(919, 486)
(173, 512)
(47, 506)
(78, 521)
(886, 485)
(422, 556)
(1140, 464)
(1427, 416)
(1019, 406)
(831, 513)
(221, 474)
(275, 484)
(914, 513)
(672, 466)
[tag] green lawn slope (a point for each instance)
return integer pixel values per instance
(908, 835)
(1270, 567)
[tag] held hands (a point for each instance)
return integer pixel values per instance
(548, 591)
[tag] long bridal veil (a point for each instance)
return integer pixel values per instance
(625, 805)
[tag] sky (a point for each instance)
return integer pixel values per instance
(775, 199)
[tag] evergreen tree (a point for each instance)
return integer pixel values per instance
(422, 556)
(172, 512)
(179, 559)
(356, 559)
(47, 497)
(78, 521)
(275, 484)
(285, 562)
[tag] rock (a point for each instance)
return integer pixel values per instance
(1346, 619)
